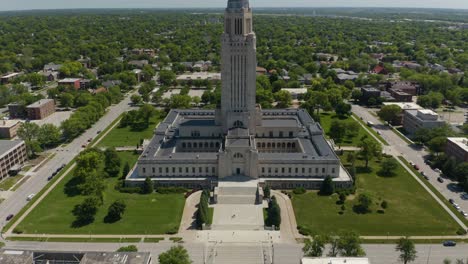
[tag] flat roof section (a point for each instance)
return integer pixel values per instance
(7, 145)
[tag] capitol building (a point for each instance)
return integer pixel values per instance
(281, 148)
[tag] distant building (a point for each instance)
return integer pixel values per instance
(330, 260)
(72, 82)
(306, 79)
(261, 71)
(7, 78)
(52, 67)
(379, 69)
(414, 120)
(50, 75)
(111, 83)
(400, 96)
(17, 110)
(8, 128)
(457, 148)
(210, 76)
(12, 154)
(296, 93)
(138, 63)
(38, 257)
(369, 92)
(412, 88)
(149, 52)
(41, 109)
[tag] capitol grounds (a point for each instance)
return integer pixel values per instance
(410, 209)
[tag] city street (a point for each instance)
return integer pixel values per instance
(64, 154)
(399, 147)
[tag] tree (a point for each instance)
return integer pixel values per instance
(66, 100)
(148, 186)
(115, 212)
(112, 162)
(328, 187)
(136, 99)
(343, 109)
(349, 245)
(49, 135)
(337, 131)
(86, 211)
(437, 144)
(356, 95)
(167, 77)
(388, 166)
(175, 255)
(364, 204)
(407, 250)
(283, 98)
(333, 240)
(267, 192)
(129, 248)
(28, 132)
(126, 169)
(274, 214)
(315, 247)
(389, 113)
(369, 150)
(178, 101)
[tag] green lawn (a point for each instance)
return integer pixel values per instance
(411, 210)
(8, 182)
(123, 137)
(145, 214)
(326, 119)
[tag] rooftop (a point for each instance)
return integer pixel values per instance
(461, 142)
(8, 123)
(405, 106)
(69, 80)
(7, 145)
(40, 103)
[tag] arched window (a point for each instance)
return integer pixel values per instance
(206, 144)
(263, 145)
(184, 145)
(238, 156)
(268, 145)
(217, 144)
(284, 145)
(238, 124)
(189, 145)
(289, 145)
(195, 145)
(293, 145)
(211, 145)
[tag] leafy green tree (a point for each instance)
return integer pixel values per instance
(167, 77)
(389, 113)
(364, 204)
(179, 101)
(129, 248)
(29, 132)
(407, 250)
(274, 213)
(337, 131)
(388, 166)
(66, 100)
(315, 247)
(328, 187)
(112, 162)
(126, 169)
(136, 99)
(71, 69)
(283, 98)
(49, 135)
(175, 255)
(148, 186)
(369, 150)
(86, 211)
(115, 212)
(349, 245)
(437, 144)
(343, 109)
(267, 192)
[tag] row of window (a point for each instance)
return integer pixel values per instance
(200, 145)
(281, 134)
(180, 170)
(276, 145)
(295, 170)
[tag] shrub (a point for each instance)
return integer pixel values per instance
(18, 231)
(300, 190)
(129, 248)
(304, 231)
(129, 189)
(168, 190)
(384, 204)
(381, 211)
(461, 232)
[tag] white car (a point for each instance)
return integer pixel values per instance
(464, 196)
(464, 214)
(29, 198)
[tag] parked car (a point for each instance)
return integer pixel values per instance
(9, 217)
(464, 196)
(438, 171)
(99, 132)
(416, 167)
(449, 243)
(464, 213)
(440, 180)
(425, 177)
(451, 201)
(456, 206)
(29, 198)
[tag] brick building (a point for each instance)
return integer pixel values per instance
(16, 110)
(73, 82)
(8, 128)
(41, 109)
(457, 148)
(12, 153)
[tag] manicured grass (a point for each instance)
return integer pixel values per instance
(76, 239)
(124, 137)
(153, 239)
(326, 119)
(435, 191)
(210, 215)
(416, 241)
(411, 210)
(382, 140)
(10, 181)
(145, 214)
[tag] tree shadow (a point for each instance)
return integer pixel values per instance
(383, 174)
(71, 187)
(361, 169)
(360, 210)
(111, 220)
(82, 222)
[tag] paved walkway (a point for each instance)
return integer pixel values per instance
(288, 226)
(187, 228)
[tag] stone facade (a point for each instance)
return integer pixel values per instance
(198, 148)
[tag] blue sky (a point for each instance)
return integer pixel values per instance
(66, 4)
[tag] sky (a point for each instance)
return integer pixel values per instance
(69, 4)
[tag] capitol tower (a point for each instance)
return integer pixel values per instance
(238, 69)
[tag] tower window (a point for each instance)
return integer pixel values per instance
(238, 156)
(238, 124)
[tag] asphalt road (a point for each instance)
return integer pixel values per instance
(416, 155)
(283, 253)
(17, 200)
